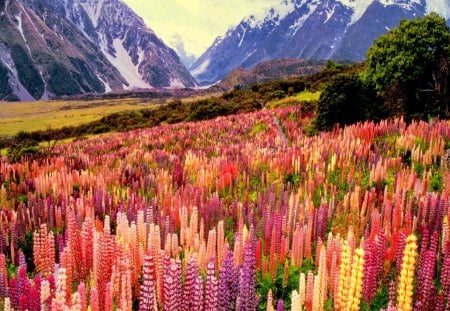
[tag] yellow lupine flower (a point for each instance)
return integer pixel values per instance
(356, 280)
(405, 288)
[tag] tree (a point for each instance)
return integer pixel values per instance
(412, 61)
(346, 99)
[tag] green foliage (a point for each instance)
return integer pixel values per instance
(423, 144)
(345, 100)
(26, 245)
(329, 304)
(207, 109)
(292, 179)
(28, 75)
(311, 128)
(23, 146)
(280, 289)
(380, 301)
(317, 196)
(410, 65)
(419, 168)
(436, 181)
(258, 128)
(333, 65)
(11, 270)
(61, 81)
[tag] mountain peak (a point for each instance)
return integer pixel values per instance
(309, 29)
(68, 47)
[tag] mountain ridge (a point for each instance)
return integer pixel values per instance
(45, 51)
(309, 29)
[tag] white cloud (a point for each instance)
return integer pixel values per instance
(198, 22)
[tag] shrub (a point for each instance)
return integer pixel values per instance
(345, 100)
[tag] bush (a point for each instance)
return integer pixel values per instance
(345, 100)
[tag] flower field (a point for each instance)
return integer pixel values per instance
(237, 213)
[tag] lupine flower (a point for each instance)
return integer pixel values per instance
(211, 287)
(247, 299)
(405, 287)
(147, 296)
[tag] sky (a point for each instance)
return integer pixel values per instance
(196, 22)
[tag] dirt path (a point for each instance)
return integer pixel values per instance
(281, 133)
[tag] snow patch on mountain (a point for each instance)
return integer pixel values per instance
(108, 88)
(19, 90)
(358, 7)
(408, 5)
(123, 63)
(330, 14)
(294, 28)
(93, 9)
(201, 68)
(176, 84)
(274, 14)
(244, 30)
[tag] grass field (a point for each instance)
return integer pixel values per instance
(15, 117)
(305, 96)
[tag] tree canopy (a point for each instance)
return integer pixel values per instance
(346, 99)
(408, 70)
(413, 59)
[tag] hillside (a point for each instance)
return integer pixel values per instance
(270, 70)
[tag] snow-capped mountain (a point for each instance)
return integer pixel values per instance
(132, 47)
(67, 47)
(177, 43)
(310, 29)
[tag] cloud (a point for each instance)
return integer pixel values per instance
(198, 22)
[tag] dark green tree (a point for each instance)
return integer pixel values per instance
(409, 66)
(346, 99)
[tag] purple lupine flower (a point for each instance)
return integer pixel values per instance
(247, 299)
(211, 287)
(197, 302)
(189, 283)
(425, 287)
(172, 287)
(280, 305)
(228, 283)
(147, 297)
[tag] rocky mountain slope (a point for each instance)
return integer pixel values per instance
(309, 29)
(66, 47)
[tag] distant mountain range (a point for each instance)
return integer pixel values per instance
(270, 70)
(309, 29)
(67, 47)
